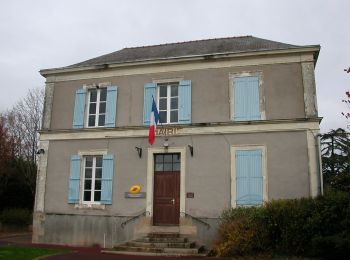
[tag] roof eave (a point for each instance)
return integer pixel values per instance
(315, 49)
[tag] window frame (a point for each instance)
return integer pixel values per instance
(232, 77)
(98, 102)
(82, 203)
(93, 179)
(169, 85)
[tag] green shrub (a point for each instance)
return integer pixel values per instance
(303, 227)
(16, 217)
(242, 232)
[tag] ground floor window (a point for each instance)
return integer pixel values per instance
(92, 178)
(248, 175)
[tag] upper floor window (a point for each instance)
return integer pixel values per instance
(95, 107)
(97, 99)
(168, 103)
(245, 98)
(174, 101)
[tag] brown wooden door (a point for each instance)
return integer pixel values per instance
(166, 203)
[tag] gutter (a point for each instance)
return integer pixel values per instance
(203, 57)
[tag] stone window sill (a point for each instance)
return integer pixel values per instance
(90, 206)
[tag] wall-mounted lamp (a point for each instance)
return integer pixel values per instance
(40, 151)
(191, 149)
(166, 144)
(139, 151)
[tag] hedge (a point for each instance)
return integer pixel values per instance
(297, 227)
(16, 217)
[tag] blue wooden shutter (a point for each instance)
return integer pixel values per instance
(111, 106)
(185, 106)
(79, 108)
(246, 98)
(149, 91)
(249, 180)
(107, 179)
(74, 179)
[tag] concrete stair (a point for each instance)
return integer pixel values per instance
(160, 243)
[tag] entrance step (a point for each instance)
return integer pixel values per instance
(160, 243)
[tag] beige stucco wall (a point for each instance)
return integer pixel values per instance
(282, 88)
(207, 172)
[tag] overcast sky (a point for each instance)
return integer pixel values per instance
(46, 34)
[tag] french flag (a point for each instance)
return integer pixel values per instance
(153, 123)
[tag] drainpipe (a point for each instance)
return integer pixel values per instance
(319, 158)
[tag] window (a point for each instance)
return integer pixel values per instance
(92, 178)
(95, 107)
(168, 102)
(97, 99)
(173, 101)
(246, 98)
(248, 175)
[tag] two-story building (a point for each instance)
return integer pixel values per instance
(238, 126)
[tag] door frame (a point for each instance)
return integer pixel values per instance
(150, 176)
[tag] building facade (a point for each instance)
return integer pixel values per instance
(238, 126)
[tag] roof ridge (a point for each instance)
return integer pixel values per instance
(174, 43)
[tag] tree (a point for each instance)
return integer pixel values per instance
(347, 101)
(6, 153)
(19, 137)
(335, 148)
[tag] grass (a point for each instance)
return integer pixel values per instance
(26, 253)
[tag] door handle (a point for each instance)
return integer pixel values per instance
(173, 201)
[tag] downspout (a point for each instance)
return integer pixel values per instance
(319, 159)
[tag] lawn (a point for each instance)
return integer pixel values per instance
(26, 253)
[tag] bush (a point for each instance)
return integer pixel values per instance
(16, 217)
(303, 227)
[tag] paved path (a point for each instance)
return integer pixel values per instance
(81, 253)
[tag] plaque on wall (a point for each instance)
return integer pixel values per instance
(140, 195)
(190, 195)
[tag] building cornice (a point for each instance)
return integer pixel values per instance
(313, 49)
(185, 130)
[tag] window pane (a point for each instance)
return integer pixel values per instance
(102, 108)
(88, 161)
(159, 158)
(98, 161)
(92, 109)
(98, 185)
(176, 158)
(93, 95)
(174, 91)
(174, 103)
(163, 91)
(87, 195)
(168, 158)
(159, 167)
(162, 104)
(98, 173)
(162, 116)
(176, 167)
(97, 196)
(92, 120)
(101, 120)
(88, 173)
(87, 185)
(168, 166)
(103, 94)
(173, 116)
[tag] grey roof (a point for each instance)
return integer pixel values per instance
(183, 49)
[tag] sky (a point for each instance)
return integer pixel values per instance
(45, 34)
